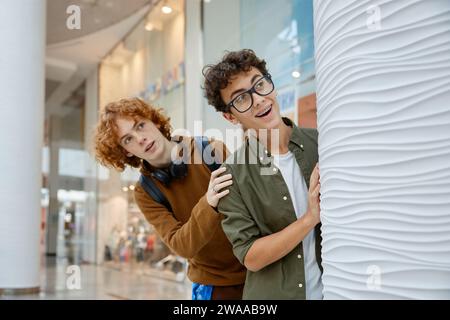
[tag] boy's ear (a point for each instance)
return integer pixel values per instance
(230, 117)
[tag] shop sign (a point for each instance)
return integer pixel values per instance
(165, 84)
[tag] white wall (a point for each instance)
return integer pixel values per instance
(221, 30)
(193, 64)
(173, 53)
(110, 88)
(89, 231)
(384, 146)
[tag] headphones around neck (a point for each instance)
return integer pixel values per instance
(176, 170)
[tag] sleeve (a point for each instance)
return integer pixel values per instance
(187, 239)
(238, 224)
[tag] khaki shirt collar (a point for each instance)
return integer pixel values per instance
(263, 156)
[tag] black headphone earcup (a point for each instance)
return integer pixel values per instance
(178, 170)
(162, 176)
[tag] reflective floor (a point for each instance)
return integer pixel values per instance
(60, 281)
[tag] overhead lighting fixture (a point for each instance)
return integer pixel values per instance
(296, 74)
(125, 189)
(166, 9)
(131, 187)
(149, 26)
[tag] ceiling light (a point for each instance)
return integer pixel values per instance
(125, 189)
(131, 187)
(296, 74)
(149, 26)
(166, 9)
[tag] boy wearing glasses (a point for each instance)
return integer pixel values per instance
(272, 220)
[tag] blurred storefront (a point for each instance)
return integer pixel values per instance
(67, 225)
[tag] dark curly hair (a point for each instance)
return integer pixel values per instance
(108, 150)
(217, 76)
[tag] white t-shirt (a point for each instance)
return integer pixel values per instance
(299, 195)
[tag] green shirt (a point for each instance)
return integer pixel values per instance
(259, 204)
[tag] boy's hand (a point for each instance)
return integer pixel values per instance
(313, 195)
(216, 184)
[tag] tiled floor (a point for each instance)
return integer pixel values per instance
(106, 283)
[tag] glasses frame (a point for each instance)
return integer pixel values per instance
(252, 90)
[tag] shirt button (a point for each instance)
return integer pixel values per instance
(284, 198)
(274, 169)
(261, 158)
(301, 146)
(299, 256)
(266, 151)
(300, 285)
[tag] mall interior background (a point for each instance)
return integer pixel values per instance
(132, 48)
(97, 219)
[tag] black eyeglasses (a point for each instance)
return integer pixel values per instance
(243, 102)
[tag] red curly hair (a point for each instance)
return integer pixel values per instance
(108, 150)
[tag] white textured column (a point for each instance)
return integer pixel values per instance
(22, 60)
(383, 88)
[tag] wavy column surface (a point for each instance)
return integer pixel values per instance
(384, 145)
